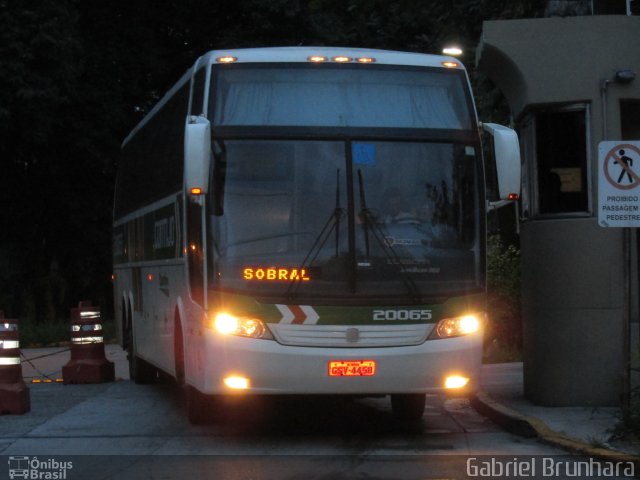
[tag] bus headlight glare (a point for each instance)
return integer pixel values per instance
(457, 326)
(225, 323)
(469, 324)
(228, 324)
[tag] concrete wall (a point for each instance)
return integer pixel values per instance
(535, 61)
(572, 312)
(573, 302)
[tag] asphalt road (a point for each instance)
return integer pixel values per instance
(121, 430)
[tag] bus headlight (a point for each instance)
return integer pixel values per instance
(228, 324)
(457, 326)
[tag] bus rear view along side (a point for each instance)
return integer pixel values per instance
(308, 221)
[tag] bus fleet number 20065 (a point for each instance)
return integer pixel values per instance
(402, 315)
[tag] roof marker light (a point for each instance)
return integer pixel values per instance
(341, 59)
(317, 58)
(227, 59)
(452, 50)
(449, 64)
(365, 60)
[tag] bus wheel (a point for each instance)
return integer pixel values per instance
(198, 406)
(408, 407)
(139, 371)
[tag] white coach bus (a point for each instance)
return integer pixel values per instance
(308, 221)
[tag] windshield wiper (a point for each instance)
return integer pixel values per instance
(366, 215)
(332, 223)
(219, 176)
(370, 224)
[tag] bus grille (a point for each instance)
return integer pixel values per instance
(353, 336)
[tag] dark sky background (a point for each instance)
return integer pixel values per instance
(76, 76)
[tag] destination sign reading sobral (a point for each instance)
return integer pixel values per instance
(273, 274)
(619, 184)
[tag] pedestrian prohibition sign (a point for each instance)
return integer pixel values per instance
(619, 184)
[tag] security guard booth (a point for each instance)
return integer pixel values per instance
(571, 83)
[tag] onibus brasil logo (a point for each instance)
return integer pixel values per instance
(34, 468)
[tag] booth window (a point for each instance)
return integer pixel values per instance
(630, 119)
(559, 167)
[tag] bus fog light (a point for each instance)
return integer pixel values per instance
(237, 382)
(455, 381)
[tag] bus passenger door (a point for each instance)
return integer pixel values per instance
(196, 250)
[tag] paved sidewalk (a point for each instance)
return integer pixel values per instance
(585, 430)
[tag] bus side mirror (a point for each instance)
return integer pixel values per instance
(507, 156)
(197, 155)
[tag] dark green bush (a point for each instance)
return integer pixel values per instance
(47, 334)
(503, 336)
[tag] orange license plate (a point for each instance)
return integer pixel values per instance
(352, 368)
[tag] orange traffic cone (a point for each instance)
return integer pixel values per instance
(88, 363)
(14, 394)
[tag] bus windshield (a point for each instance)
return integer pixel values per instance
(346, 218)
(348, 96)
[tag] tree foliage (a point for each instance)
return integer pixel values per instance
(77, 75)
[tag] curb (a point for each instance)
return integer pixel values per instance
(531, 427)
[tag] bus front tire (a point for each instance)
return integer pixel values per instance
(408, 407)
(198, 406)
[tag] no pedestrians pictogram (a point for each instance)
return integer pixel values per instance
(619, 183)
(620, 166)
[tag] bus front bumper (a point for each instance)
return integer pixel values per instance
(267, 367)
